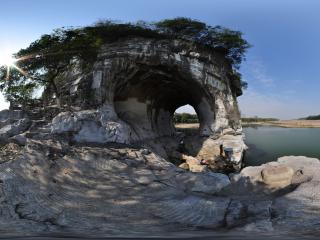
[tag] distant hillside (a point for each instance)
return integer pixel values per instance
(193, 118)
(314, 117)
(258, 119)
(185, 118)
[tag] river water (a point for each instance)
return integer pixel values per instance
(267, 143)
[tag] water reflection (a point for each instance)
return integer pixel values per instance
(267, 143)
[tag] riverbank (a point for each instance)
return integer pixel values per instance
(187, 125)
(287, 123)
(279, 123)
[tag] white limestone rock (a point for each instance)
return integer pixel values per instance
(208, 183)
(13, 129)
(65, 122)
(87, 126)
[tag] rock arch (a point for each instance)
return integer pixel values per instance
(144, 81)
(148, 99)
(136, 85)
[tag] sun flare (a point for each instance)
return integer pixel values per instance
(7, 60)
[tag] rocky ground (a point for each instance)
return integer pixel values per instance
(49, 184)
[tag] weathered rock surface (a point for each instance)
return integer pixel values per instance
(283, 195)
(49, 185)
(54, 186)
(89, 126)
(102, 165)
(137, 84)
(277, 176)
(12, 123)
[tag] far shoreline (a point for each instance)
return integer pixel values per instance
(278, 123)
(286, 123)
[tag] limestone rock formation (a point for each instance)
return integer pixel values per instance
(137, 84)
(101, 164)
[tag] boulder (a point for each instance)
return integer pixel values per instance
(267, 178)
(277, 176)
(65, 122)
(13, 129)
(87, 126)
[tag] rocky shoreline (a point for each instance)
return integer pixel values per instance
(51, 185)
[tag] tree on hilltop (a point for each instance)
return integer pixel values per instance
(43, 63)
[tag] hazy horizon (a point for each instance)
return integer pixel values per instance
(281, 67)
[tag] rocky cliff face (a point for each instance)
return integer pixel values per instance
(137, 84)
(142, 82)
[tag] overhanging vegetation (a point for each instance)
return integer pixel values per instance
(41, 64)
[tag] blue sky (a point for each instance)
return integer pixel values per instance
(282, 67)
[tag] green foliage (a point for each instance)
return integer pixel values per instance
(244, 85)
(51, 55)
(20, 93)
(185, 118)
(257, 119)
(20, 90)
(227, 41)
(314, 117)
(237, 83)
(185, 27)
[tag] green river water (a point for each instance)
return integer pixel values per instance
(267, 143)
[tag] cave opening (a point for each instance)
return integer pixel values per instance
(148, 100)
(186, 120)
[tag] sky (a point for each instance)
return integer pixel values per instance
(282, 68)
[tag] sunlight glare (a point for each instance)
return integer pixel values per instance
(7, 60)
